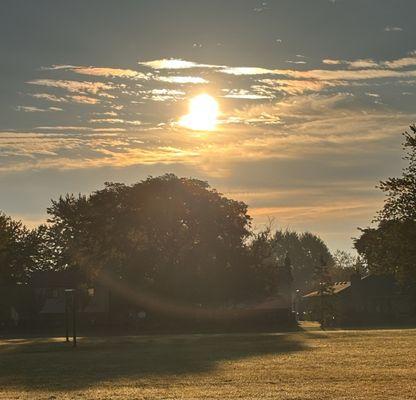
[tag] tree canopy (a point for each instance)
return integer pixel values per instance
(165, 233)
(390, 247)
(18, 250)
(305, 251)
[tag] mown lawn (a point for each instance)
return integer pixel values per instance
(367, 364)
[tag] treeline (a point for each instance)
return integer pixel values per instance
(180, 238)
(177, 237)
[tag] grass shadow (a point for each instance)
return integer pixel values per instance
(51, 364)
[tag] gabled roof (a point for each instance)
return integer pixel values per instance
(336, 288)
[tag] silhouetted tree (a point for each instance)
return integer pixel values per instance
(303, 249)
(176, 236)
(18, 250)
(346, 264)
(391, 246)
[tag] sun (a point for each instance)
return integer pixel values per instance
(203, 114)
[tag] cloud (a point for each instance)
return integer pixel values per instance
(402, 62)
(36, 109)
(246, 71)
(296, 62)
(245, 94)
(332, 62)
(161, 95)
(175, 63)
(78, 128)
(408, 61)
(393, 29)
(82, 87)
(100, 71)
(81, 99)
(49, 97)
(115, 121)
(295, 86)
(181, 79)
(110, 72)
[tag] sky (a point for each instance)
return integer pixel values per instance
(313, 96)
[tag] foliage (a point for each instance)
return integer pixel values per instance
(271, 249)
(346, 264)
(390, 247)
(165, 233)
(400, 204)
(18, 249)
(305, 251)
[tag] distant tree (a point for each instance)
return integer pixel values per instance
(305, 251)
(263, 262)
(270, 249)
(346, 264)
(175, 236)
(390, 247)
(18, 249)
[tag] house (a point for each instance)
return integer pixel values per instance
(50, 292)
(369, 300)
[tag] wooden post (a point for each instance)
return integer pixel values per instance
(74, 318)
(66, 317)
(74, 303)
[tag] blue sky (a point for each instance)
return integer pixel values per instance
(313, 97)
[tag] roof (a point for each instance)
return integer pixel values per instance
(55, 279)
(336, 288)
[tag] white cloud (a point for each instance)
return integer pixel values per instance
(49, 97)
(181, 79)
(36, 109)
(175, 63)
(393, 29)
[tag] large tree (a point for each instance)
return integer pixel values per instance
(390, 247)
(175, 236)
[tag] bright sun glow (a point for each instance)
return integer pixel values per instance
(203, 114)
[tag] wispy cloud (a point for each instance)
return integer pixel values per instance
(393, 29)
(49, 97)
(37, 109)
(74, 86)
(78, 128)
(100, 71)
(115, 121)
(181, 79)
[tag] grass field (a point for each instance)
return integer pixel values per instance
(367, 364)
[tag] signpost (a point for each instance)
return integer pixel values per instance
(71, 304)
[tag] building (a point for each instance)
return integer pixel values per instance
(50, 295)
(371, 300)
